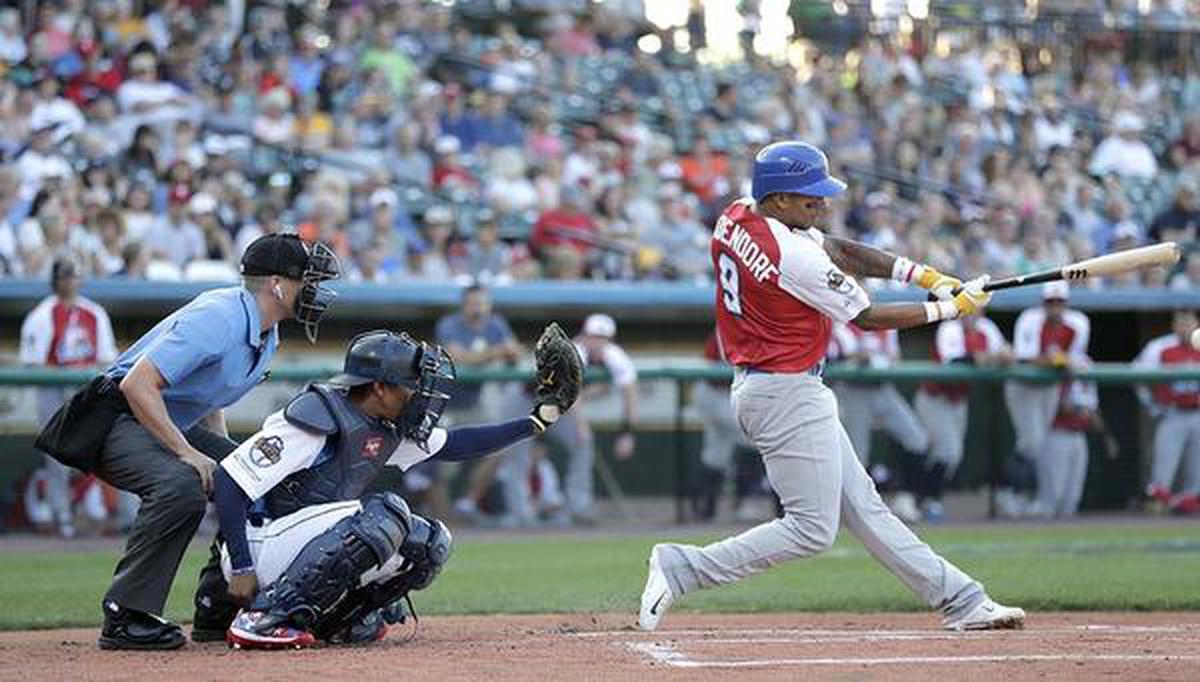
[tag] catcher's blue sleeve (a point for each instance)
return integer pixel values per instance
(471, 442)
(232, 505)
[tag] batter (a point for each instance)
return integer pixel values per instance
(781, 285)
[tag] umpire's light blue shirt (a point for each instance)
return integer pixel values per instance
(211, 352)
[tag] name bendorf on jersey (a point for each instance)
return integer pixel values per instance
(738, 240)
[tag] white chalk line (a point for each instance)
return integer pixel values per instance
(707, 635)
(956, 637)
(666, 654)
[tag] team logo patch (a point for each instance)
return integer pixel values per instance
(372, 446)
(266, 451)
(838, 282)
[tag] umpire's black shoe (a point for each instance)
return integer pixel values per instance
(128, 629)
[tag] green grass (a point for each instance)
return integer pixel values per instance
(1138, 567)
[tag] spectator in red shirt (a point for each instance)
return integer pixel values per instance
(704, 172)
(565, 237)
(448, 171)
(99, 75)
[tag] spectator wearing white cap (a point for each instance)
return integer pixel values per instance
(1051, 335)
(509, 190)
(1124, 153)
(275, 123)
(448, 171)
(40, 161)
(218, 246)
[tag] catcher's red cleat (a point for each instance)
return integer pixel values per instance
(250, 631)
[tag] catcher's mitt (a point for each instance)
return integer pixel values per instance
(559, 374)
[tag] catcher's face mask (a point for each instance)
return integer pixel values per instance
(397, 359)
(314, 299)
(435, 373)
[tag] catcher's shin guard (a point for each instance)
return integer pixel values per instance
(332, 563)
(425, 550)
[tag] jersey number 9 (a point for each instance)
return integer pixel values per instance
(730, 294)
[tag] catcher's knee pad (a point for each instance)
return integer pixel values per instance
(383, 524)
(333, 562)
(427, 548)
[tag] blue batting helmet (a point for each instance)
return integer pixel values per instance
(795, 168)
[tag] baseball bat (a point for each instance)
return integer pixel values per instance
(1164, 253)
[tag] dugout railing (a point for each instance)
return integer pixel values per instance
(684, 373)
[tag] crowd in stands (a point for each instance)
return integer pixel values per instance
(561, 140)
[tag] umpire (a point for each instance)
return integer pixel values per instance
(153, 423)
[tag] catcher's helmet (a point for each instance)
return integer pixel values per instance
(795, 168)
(396, 358)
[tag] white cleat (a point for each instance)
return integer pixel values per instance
(988, 616)
(657, 597)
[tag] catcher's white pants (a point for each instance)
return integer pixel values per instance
(866, 407)
(275, 545)
(792, 420)
(1061, 470)
(1177, 452)
(946, 423)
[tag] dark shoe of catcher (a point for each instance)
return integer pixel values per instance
(208, 634)
(129, 629)
(212, 619)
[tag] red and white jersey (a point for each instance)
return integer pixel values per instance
(61, 335)
(1077, 401)
(778, 292)
(958, 339)
(1035, 337)
(881, 346)
(1166, 351)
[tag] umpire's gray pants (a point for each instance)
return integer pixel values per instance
(173, 504)
(792, 419)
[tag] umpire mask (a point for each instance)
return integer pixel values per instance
(314, 299)
(286, 255)
(397, 358)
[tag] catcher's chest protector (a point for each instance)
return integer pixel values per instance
(357, 448)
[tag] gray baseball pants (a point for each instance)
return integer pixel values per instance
(792, 419)
(865, 407)
(1061, 470)
(946, 423)
(1176, 447)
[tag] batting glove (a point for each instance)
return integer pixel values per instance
(973, 299)
(941, 286)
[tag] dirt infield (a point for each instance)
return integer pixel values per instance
(559, 647)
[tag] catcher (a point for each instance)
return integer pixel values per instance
(310, 556)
